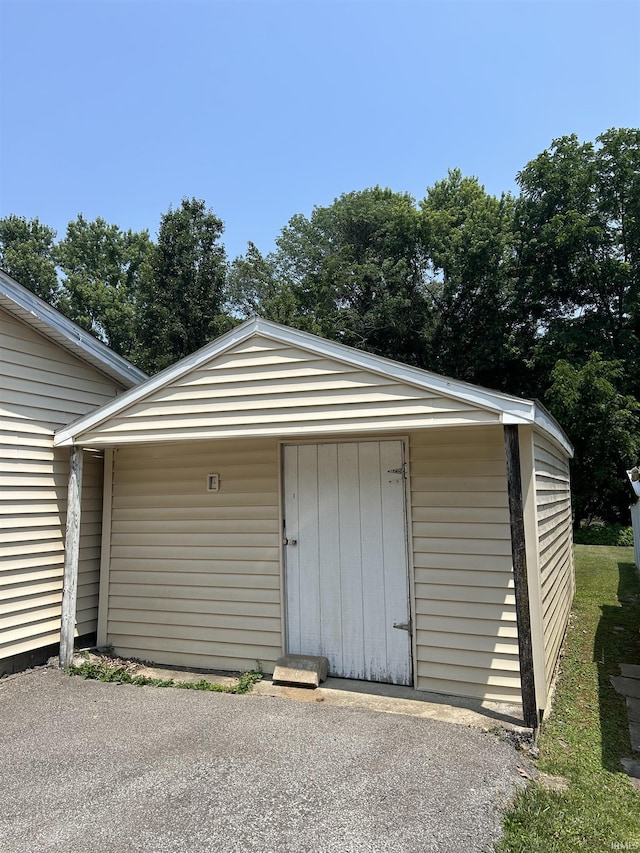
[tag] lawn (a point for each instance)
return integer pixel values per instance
(587, 733)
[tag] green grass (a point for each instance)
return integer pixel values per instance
(107, 671)
(587, 733)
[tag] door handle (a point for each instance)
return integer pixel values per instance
(289, 541)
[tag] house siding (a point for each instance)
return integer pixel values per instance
(466, 632)
(43, 387)
(263, 387)
(555, 546)
(194, 575)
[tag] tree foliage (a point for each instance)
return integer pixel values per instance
(353, 271)
(180, 305)
(578, 250)
(27, 252)
(103, 268)
(579, 245)
(254, 289)
(603, 425)
(476, 332)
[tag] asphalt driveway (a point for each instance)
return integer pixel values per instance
(97, 767)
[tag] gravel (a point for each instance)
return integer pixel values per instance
(96, 767)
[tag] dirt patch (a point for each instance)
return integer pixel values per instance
(553, 783)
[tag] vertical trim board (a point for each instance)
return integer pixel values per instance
(105, 550)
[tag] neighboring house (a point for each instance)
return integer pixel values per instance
(278, 492)
(51, 373)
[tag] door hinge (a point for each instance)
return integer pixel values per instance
(402, 470)
(403, 626)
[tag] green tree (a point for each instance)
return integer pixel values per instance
(181, 303)
(603, 425)
(356, 272)
(476, 331)
(579, 248)
(27, 253)
(254, 290)
(103, 267)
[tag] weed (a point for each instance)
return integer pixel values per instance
(104, 670)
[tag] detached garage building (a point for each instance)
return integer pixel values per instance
(51, 371)
(278, 492)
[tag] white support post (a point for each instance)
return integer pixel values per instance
(71, 556)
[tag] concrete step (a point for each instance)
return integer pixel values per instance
(630, 670)
(301, 670)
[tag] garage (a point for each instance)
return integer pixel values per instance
(276, 492)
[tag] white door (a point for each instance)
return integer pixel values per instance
(347, 584)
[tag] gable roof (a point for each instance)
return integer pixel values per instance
(35, 312)
(506, 408)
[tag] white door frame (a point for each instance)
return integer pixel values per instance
(344, 439)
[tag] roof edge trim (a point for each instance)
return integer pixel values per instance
(546, 422)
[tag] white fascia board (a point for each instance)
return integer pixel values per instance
(545, 421)
(80, 341)
(65, 437)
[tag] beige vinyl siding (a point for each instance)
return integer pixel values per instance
(42, 387)
(267, 388)
(555, 541)
(194, 575)
(466, 632)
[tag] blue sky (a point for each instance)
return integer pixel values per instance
(119, 108)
